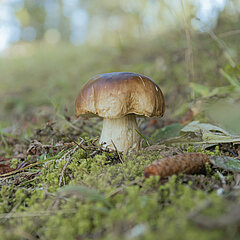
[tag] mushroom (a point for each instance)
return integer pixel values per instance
(119, 98)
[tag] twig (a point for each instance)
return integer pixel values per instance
(65, 166)
(117, 151)
(34, 214)
(21, 169)
(80, 144)
(63, 171)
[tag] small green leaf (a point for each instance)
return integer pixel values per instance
(226, 163)
(169, 131)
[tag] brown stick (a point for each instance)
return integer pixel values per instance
(189, 163)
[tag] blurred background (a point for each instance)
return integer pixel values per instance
(50, 48)
(94, 22)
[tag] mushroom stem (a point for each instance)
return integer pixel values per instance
(122, 132)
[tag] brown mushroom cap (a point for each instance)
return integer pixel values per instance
(114, 95)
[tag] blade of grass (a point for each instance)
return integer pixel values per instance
(144, 138)
(233, 81)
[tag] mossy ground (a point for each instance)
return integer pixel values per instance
(78, 191)
(107, 200)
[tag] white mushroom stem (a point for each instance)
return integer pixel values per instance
(122, 132)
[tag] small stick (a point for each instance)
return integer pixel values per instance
(34, 214)
(65, 166)
(20, 169)
(117, 151)
(63, 171)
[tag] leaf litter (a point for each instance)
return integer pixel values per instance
(35, 154)
(203, 133)
(32, 154)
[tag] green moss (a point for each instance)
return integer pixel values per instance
(159, 209)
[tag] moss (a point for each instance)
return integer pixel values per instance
(14, 163)
(158, 209)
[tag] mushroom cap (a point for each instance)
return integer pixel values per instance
(114, 95)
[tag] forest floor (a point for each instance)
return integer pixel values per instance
(58, 183)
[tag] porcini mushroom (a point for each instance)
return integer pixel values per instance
(118, 98)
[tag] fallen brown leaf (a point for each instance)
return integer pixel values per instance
(5, 168)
